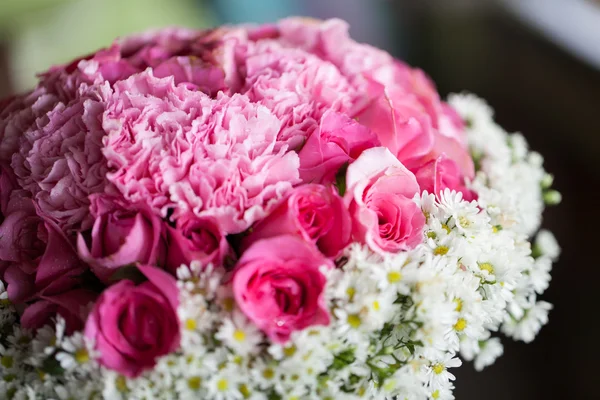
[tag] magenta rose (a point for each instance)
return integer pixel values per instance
(279, 286)
(314, 212)
(72, 305)
(195, 239)
(338, 140)
(41, 260)
(133, 325)
(380, 193)
(122, 234)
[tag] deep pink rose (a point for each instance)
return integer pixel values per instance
(338, 140)
(440, 174)
(380, 193)
(196, 239)
(278, 285)
(122, 234)
(41, 260)
(133, 325)
(314, 212)
(72, 305)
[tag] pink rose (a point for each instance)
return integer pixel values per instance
(380, 193)
(122, 234)
(401, 126)
(440, 174)
(338, 140)
(314, 212)
(196, 239)
(133, 325)
(72, 305)
(278, 285)
(40, 258)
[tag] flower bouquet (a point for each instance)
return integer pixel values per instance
(260, 212)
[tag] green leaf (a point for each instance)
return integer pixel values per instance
(340, 179)
(128, 272)
(52, 366)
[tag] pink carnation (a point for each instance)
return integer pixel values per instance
(179, 149)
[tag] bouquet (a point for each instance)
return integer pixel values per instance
(260, 212)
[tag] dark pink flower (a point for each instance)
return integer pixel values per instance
(132, 325)
(122, 234)
(196, 239)
(279, 286)
(314, 212)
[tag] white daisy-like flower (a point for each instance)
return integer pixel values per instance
(547, 245)
(240, 334)
(225, 384)
(437, 371)
(76, 351)
(490, 350)
(529, 325)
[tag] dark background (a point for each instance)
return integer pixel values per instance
(537, 87)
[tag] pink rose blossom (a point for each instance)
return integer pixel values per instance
(72, 305)
(314, 212)
(278, 285)
(442, 173)
(132, 326)
(338, 140)
(38, 255)
(178, 149)
(122, 234)
(196, 239)
(380, 193)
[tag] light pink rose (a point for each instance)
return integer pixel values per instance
(278, 285)
(338, 140)
(442, 173)
(133, 325)
(196, 239)
(122, 234)
(400, 125)
(380, 193)
(72, 305)
(314, 212)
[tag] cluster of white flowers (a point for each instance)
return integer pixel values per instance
(399, 323)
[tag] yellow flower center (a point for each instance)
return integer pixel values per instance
(394, 276)
(289, 351)
(350, 292)
(82, 356)
(190, 324)
(441, 250)
(459, 304)
(222, 385)
(194, 382)
(244, 390)
(354, 320)
(435, 394)
(438, 369)
(486, 266)
(446, 228)
(376, 305)
(121, 384)
(239, 335)
(268, 373)
(464, 222)
(460, 325)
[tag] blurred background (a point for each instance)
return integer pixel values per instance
(537, 62)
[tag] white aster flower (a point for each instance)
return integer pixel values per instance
(527, 327)
(547, 245)
(490, 350)
(240, 334)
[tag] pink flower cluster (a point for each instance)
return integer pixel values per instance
(265, 151)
